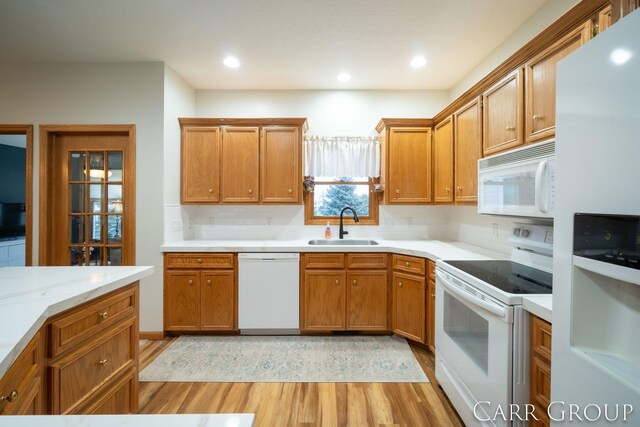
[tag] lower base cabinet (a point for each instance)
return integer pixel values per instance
(21, 388)
(540, 373)
(121, 397)
(409, 309)
(344, 292)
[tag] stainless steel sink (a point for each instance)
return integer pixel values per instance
(345, 242)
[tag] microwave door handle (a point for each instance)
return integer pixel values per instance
(492, 308)
(541, 203)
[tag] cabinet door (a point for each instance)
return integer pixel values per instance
(280, 176)
(324, 300)
(217, 302)
(182, 300)
(467, 129)
(502, 109)
(431, 314)
(409, 166)
(409, 306)
(200, 165)
(540, 96)
(443, 161)
(367, 300)
(604, 19)
(240, 148)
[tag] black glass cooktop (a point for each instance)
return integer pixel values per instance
(508, 276)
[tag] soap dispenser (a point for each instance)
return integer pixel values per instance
(327, 231)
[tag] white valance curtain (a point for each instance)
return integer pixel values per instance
(354, 156)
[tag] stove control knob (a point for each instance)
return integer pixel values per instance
(524, 233)
(516, 231)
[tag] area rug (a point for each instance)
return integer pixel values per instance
(286, 359)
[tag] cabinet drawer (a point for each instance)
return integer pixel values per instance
(85, 322)
(408, 264)
(78, 374)
(368, 261)
(120, 396)
(197, 260)
(541, 338)
(22, 383)
(431, 269)
(326, 260)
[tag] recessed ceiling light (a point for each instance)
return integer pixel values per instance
(620, 56)
(343, 77)
(418, 61)
(231, 62)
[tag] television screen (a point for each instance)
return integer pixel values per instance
(12, 219)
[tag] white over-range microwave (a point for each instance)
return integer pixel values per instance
(518, 182)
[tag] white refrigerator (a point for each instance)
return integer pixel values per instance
(596, 307)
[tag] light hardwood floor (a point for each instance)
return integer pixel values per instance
(304, 404)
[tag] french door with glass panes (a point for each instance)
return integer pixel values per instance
(92, 203)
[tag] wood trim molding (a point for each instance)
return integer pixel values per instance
(574, 17)
(152, 335)
(47, 138)
(197, 121)
(387, 123)
(26, 130)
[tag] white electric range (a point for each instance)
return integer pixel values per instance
(482, 330)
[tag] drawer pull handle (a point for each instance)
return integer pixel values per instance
(103, 315)
(103, 362)
(537, 117)
(10, 398)
(400, 284)
(510, 128)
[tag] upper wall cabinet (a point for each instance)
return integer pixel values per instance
(406, 160)
(467, 130)
(240, 152)
(502, 114)
(280, 165)
(200, 168)
(443, 161)
(242, 161)
(540, 108)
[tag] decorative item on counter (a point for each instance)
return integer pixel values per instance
(327, 231)
(309, 185)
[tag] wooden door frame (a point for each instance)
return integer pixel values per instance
(27, 131)
(47, 141)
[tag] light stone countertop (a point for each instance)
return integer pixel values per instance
(30, 295)
(540, 305)
(181, 420)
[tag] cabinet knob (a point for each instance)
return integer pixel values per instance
(211, 190)
(448, 190)
(407, 264)
(337, 282)
(397, 191)
(208, 282)
(537, 117)
(459, 189)
(190, 282)
(290, 191)
(10, 397)
(250, 191)
(510, 128)
(433, 296)
(102, 362)
(103, 315)
(199, 259)
(400, 284)
(355, 282)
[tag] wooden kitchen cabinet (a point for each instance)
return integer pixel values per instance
(241, 160)
(240, 163)
(409, 307)
(431, 306)
(604, 19)
(443, 161)
(406, 160)
(200, 165)
(540, 369)
(200, 292)
(22, 386)
(502, 112)
(367, 300)
(467, 130)
(344, 292)
(324, 300)
(280, 163)
(540, 88)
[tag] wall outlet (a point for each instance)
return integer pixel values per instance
(410, 222)
(269, 221)
(176, 225)
(210, 222)
(495, 229)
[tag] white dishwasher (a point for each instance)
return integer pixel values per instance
(269, 293)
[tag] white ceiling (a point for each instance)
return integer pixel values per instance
(282, 44)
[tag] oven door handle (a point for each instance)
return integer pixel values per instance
(453, 289)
